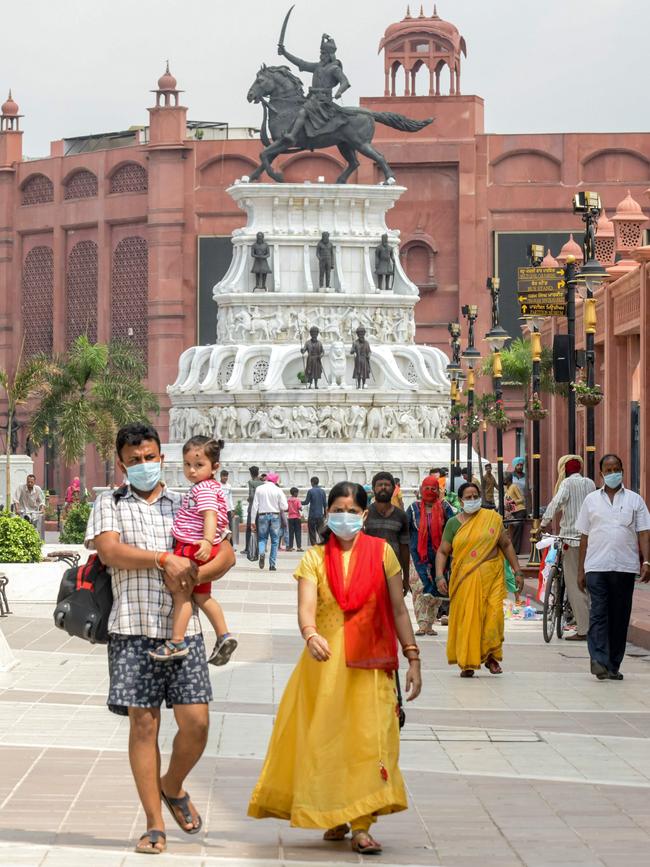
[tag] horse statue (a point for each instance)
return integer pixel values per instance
(352, 135)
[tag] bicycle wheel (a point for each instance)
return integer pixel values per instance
(550, 605)
(559, 604)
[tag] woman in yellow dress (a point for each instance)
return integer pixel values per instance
(332, 761)
(478, 542)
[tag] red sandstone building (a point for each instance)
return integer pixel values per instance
(124, 235)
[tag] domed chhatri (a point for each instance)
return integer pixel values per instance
(10, 107)
(415, 42)
(167, 80)
(549, 261)
(571, 248)
(629, 207)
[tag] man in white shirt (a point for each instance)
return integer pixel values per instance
(29, 502)
(615, 524)
(570, 493)
(269, 501)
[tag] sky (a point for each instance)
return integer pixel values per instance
(84, 66)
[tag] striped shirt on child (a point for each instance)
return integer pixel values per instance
(205, 496)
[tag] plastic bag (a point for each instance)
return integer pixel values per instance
(511, 581)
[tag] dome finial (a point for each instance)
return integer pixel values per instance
(421, 10)
(435, 10)
(408, 12)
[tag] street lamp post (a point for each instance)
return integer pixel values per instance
(470, 355)
(536, 254)
(591, 276)
(497, 337)
(570, 273)
(454, 370)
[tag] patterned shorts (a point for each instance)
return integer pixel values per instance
(137, 680)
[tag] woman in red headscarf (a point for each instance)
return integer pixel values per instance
(427, 518)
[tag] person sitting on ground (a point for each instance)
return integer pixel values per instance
(199, 527)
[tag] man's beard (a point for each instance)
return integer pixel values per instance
(383, 497)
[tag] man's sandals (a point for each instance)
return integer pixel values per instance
(183, 806)
(152, 843)
(364, 844)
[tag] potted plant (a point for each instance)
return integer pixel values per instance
(452, 431)
(497, 416)
(301, 376)
(534, 410)
(470, 425)
(587, 395)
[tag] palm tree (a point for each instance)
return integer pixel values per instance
(97, 390)
(32, 379)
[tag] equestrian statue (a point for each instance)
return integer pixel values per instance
(294, 122)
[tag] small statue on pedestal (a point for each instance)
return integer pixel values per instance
(361, 351)
(314, 364)
(260, 252)
(384, 264)
(325, 256)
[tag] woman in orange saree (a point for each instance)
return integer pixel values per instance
(478, 542)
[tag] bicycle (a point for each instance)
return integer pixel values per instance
(557, 611)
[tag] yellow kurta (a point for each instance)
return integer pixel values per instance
(336, 728)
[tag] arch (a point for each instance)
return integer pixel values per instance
(81, 292)
(130, 293)
(222, 171)
(526, 165)
(37, 189)
(128, 177)
(311, 166)
(418, 260)
(80, 184)
(37, 302)
(615, 165)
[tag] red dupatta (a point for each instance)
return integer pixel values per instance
(362, 595)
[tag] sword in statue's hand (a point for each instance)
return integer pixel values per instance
(283, 31)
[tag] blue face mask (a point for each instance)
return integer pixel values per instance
(144, 477)
(613, 480)
(345, 525)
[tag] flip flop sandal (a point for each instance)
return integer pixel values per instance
(420, 632)
(467, 672)
(182, 804)
(154, 838)
(339, 832)
(373, 847)
(431, 632)
(493, 666)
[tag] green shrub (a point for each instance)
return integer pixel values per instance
(19, 541)
(73, 531)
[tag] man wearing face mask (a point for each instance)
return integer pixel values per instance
(614, 524)
(131, 530)
(386, 521)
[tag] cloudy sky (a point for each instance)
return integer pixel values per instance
(82, 66)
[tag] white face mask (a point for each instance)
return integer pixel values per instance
(471, 506)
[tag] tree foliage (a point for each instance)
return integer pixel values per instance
(73, 531)
(517, 364)
(98, 388)
(19, 541)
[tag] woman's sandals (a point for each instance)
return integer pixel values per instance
(493, 666)
(364, 844)
(151, 847)
(339, 832)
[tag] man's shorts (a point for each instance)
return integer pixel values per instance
(137, 680)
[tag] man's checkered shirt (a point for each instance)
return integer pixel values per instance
(142, 604)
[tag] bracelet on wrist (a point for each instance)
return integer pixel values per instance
(309, 638)
(308, 626)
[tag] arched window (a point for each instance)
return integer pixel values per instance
(82, 185)
(129, 293)
(37, 190)
(81, 292)
(37, 300)
(418, 260)
(129, 178)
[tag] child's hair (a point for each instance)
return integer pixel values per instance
(210, 446)
(293, 492)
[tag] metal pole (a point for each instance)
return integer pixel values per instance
(590, 331)
(536, 345)
(470, 415)
(452, 441)
(498, 394)
(570, 278)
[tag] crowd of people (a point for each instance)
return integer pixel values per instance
(333, 758)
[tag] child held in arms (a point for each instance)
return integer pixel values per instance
(199, 527)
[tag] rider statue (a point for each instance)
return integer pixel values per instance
(319, 114)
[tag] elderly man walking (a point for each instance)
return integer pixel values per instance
(131, 530)
(614, 524)
(571, 490)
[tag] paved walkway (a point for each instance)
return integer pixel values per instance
(543, 766)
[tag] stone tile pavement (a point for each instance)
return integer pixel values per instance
(542, 766)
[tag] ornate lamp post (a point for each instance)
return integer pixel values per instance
(454, 370)
(470, 355)
(497, 337)
(591, 276)
(536, 255)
